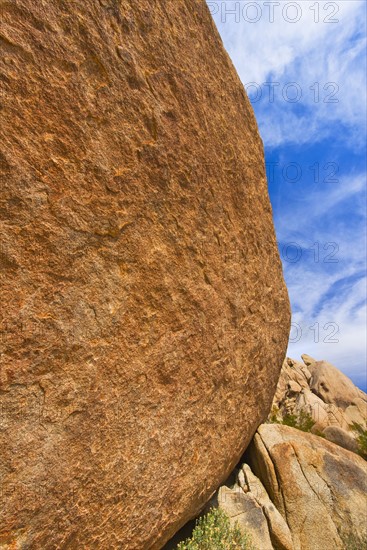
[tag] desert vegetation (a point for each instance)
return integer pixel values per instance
(361, 440)
(302, 421)
(214, 531)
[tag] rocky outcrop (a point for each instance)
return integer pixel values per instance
(307, 494)
(318, 487)
(244, 510)
(334, 387)
(143, 304)
(321, 391)
(248, 504)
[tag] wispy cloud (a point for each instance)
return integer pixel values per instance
(328, 284)
(326, 60)
(323, 129)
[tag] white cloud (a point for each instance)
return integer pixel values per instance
(333, 295)
(335, 338)
(305, 52)
(326, 297)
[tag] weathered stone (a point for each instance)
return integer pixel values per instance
(357, 413)
(243, 510)
(308, 360)
(143, 303)
(319, 488)
(309, 403)
(341, 437)
(247, 503)
(279, 532)
(292, 372)
(294, 387)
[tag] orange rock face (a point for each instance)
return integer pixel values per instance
(144, 313)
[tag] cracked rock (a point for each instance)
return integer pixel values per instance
(319, 488)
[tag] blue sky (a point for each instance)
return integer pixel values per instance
(304, 65)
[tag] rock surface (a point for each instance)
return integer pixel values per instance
(307, 494)
(341, 437)
(278, 529)
(247, 503)
(333, 386)
(318, 487)
(143, 304)
(326, 394)
(244, 510)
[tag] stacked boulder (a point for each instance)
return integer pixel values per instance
(297, 490)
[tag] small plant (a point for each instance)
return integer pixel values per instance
(303, 421)
(214, 532)
(355, 543)
(289, 420)
(274, 413)
(361, 439)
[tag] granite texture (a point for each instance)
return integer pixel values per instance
(144, 314)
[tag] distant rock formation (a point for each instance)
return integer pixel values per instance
(320, 390)
(143, 306)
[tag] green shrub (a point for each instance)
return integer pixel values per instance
(361, 439)
(303, 421)
(355, 543)
(214, 532)
(289, 420)
(273, 417)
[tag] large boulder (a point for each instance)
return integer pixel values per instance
(144, 309)
(318, 487)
